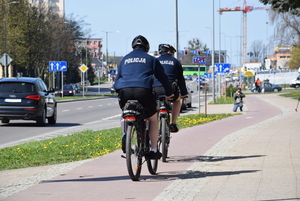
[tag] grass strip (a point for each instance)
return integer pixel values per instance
(79, 146)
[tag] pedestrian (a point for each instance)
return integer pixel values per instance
(134, 82)
(257, 85)
(238, 100)
(174, 71)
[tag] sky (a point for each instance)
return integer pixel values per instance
(155, 19)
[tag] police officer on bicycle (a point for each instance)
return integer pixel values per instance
(174, 71)
(134, 81)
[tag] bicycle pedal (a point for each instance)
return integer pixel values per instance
(122, 156)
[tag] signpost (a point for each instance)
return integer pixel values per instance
(58, 66)
(223, 67)
(83, 69)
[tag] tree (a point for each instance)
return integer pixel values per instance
(283, 6)
(295, 61)
(258, 51)
(194, 44)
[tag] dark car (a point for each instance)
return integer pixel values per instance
(27, 98)
(268, 87)
(68, 90)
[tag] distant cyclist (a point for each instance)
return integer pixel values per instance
(174, 71)
(134, 82)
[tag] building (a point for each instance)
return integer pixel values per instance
(55, 6)
(94, 46)
(280, 59)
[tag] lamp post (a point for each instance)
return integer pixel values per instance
(5, 37)
(107, 32)
(213, 62)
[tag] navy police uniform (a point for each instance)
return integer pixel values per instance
(134, 80)
(174, 71)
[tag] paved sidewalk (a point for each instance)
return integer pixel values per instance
(254, 156)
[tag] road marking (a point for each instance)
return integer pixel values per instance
(66, 110)
(100, 105)
(107, 118)
(91, 106)
(80, 108)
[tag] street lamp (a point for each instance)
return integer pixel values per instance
(5, 37)
(213, 61)
(107, 44)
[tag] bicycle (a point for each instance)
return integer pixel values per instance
(137, 140)
(164, 108)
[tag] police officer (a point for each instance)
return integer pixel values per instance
(134, 82)
(174, 71)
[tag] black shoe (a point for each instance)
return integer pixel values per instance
(155, 155)
(173, 128)
(124, 143)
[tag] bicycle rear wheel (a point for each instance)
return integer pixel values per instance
(164, 138)
(152, 164)
(133, 155)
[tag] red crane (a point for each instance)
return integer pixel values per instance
(245, 9)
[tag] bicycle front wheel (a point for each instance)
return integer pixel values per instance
(133, 155)
(164, 138)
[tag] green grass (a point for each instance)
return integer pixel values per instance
(79, 146)
(294, 93)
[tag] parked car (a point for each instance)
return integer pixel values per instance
(27, 98)
(295, 83)
(76, 87)
(187, 102)
(188, 77)
(268, 87)
(68, 90)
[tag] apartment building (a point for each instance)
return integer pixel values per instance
(280, 59)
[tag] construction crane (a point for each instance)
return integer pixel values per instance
(245, 9)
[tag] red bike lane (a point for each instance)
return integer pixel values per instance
(106, 178)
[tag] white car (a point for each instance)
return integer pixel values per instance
(187, 102)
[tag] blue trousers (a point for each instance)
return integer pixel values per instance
(236, 106)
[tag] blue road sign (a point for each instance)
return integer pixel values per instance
(181, 51)
(222, 67)
(57, 66)
(194, 51)
(112, 72)
(199, 60)
(208, 75)
(207, 52)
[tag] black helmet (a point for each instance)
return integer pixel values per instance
(163, 48)
(140, 42)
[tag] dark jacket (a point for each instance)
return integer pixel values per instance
(174, 71)
(238, 98)
(137, 68)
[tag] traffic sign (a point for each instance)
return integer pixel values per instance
(57, 66)
(5, 59)
(199, 60)
(223, 67)
(83, 68)
(112, 72)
